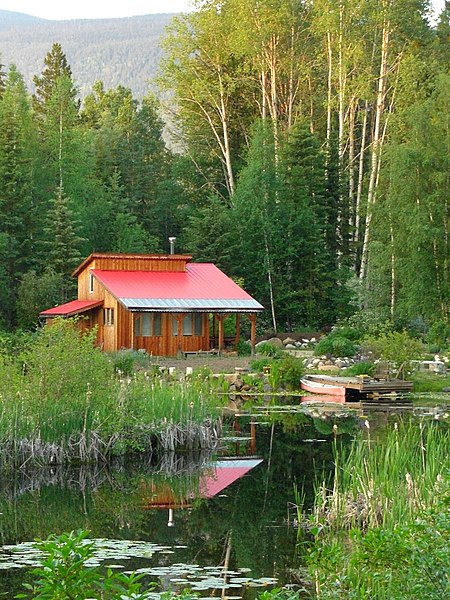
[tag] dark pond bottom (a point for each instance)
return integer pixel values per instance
(166, 503)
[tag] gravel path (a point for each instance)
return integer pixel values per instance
(217, 364)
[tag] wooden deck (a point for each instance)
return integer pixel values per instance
(363, 386)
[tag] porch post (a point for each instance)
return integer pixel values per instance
(132, 330)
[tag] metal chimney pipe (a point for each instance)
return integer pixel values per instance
(172, 241)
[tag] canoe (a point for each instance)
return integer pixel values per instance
(316, 387)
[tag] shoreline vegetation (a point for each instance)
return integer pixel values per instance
(378, 529)
(63, 400)
(381, 530)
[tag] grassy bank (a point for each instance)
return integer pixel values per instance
(383, 530)
(62, 400)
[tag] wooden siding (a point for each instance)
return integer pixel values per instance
(168, 344)
(134, 262)
(121, 334)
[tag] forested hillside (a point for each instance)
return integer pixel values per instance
(314, 146)
(117, 51)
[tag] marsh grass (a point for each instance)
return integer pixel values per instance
(382, 530)
(387, 479)
(64, 400)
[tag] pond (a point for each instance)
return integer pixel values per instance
(254, 514)
(236, 506)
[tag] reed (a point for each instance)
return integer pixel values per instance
(385, 480)
(64, 401)
(382, 529)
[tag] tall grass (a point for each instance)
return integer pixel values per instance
(383, 529)
(62, 400)
(385, 480)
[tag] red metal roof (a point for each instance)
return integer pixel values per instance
(224, 473)
(201, 287)
(200, 280)
(71, 308)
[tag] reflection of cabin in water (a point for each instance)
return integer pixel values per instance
(210, 481)
(158, 303)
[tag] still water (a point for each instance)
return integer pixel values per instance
(183, 503)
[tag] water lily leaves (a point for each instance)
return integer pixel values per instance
(113, 554)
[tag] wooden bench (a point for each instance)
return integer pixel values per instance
(212, 352)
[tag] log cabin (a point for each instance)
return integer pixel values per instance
(161, 303)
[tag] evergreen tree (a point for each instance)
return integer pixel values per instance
(36, 293)
(256, 226)
(2, 79)
(56, 67)
(62, 243)
(126, 234)
(18, 217)
(310, 250)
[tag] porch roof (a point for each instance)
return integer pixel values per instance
(201, 287)
(70, 309)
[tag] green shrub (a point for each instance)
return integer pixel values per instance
(65, 574)
(363, 367)
(257, 365)
(124, 362)
(286, 373)
(347, 331)
(396, 347)
(335, 345)
(13, 343)
(269, 350)
(243, 348)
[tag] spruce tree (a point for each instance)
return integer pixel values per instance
(62, 243)
(18, 215)
(56, 66)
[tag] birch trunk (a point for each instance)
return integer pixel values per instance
(226, 139)
(351, 164)
(330, 72)
(376, 148)
(269, 280)
(357, 233)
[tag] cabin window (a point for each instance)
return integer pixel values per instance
(108, 316)
(198, 323)
(174, 326)
(147, 324)
(91, 283)
(187, 324)
(193, 324)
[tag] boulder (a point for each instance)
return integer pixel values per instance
(274, 341)
(329, 368)
(288, 341)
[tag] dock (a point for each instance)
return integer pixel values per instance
(363, 386)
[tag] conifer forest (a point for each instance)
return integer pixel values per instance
(301, 145)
